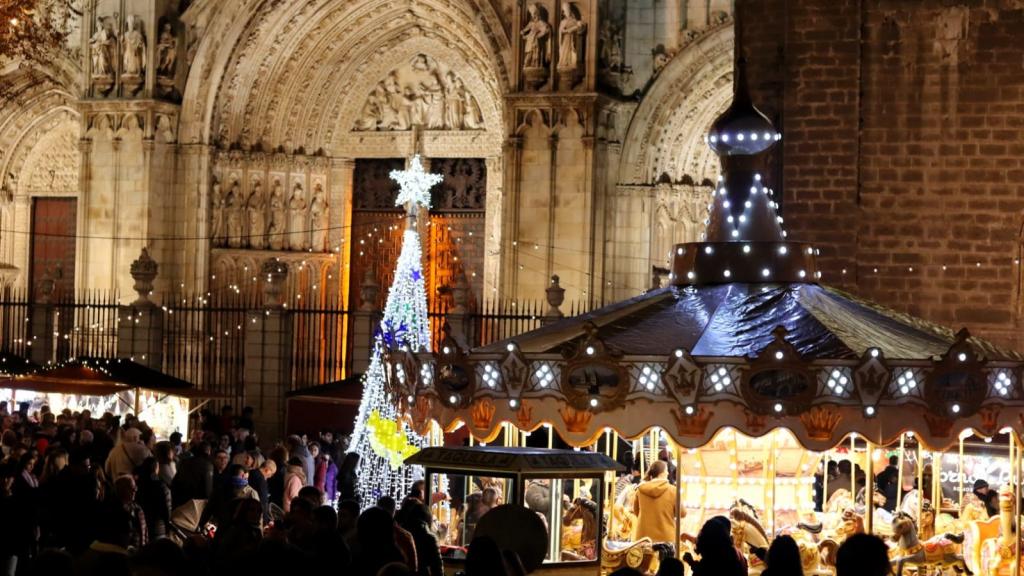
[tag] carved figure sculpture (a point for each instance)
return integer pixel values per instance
(217, 215)
(396, 113)
(471, 116)
(319, 220)
(570, 32)
(233, 207)
(298, 236)
(101, 48)
(433, 103)
(454, 103)
(372, 115)
(257, 217)
(278, 217)
(166, 52)
(535, 37)
(134, 49)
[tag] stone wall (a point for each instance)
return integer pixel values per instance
(901, 147)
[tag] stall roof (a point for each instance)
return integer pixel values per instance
(15, 365)
(514, 460)
(348, 391)
(103, 376)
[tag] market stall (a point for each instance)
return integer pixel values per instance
(759, 385)
(116, 385)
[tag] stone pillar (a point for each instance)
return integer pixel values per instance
(364, 322)
(42, 331)
(268, 354)
(555, 295)
(458, 317)
(140, 332)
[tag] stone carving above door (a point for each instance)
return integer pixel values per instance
(421, 92)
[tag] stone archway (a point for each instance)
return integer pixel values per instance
(666, 169)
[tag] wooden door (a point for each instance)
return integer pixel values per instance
(52, 251)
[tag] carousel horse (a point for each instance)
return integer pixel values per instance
(939, 552)
(639, 555)
(998, 554)
(623, 519)
(585, 511)
(840, 500)
(978, 528)
(850, 523)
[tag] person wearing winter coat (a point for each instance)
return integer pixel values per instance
(325, 476)
(127, 455)
(655, 506)
(297, 449)
(294, 480)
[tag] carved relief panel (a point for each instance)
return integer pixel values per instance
(421, 92)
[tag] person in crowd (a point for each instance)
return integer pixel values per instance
(484, 558)
(194, 479)
(888, 483)
(328, 547)
(988, 496)
(9, 531)
(275, 484)
(348, 516)
(348, 483)
(123, 510)
(221, 459)
(418, 491)
(415, 519)
(403, 539)
(325, 472)
(154, 498)
(56, 460)
(127, 455)
(375, 543)
(238, 537)
(297, 449)
(655, 505)
(258, 479)
(295, 479)
(175, 441)
(167, 460)
(25, 491)
(863, 555)
(232, 486)
(783, 558)
(718, 555)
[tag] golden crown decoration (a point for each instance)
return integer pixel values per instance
(419, 414)
(482, 413)
(939, 426)
(692, 424)
(576, 421)
(524, 416)
(821, 422)
(755, 422)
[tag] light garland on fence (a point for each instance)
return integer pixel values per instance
(381, 437)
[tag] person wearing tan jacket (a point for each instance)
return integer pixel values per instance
(655, 506)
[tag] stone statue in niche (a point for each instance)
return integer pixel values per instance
(166, 52)
(256, 209)
(233, 208)
(570, 44)
(319, 219)
(134, 53)
(298, 231)
(278, 217)
(217, 230)
(102, 49)
(422, 93)
(535, 35)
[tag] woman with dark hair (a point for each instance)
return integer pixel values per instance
(348, 483)
(415, 518)
(718, 556)
(154, 498)
(783, 558)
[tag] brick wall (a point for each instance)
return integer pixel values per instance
(903, 149)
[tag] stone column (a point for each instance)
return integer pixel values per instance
(268, 354)
(42, 337)
(364, 322)
(140, 332)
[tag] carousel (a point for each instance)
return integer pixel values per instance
(776, 401)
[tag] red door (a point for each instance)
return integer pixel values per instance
(53, 244)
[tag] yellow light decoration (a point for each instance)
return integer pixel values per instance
(388, 440)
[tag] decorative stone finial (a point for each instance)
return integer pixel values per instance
(144, 270)
(555, 296)
(369, 290)
(274, 273)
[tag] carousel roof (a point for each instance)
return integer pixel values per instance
(739, 320)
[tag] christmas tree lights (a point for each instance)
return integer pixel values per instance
(379, 426)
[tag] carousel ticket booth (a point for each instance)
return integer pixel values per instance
(544, 504)
(788, 406)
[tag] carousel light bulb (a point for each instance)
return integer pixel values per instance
(753, 189)
(446, 350)
(747, 204)
(757, 177)
(746, 249)
(590, 350)
(680, 251)
(679, 353)
(870, 410)
(783, 250)
(708, 250)
(765, 272)
(689, 410)
(726, 273)
(510, 347)
(593, 402)
(874, 352)
(729, 219)
(739, 136)
(779, 355)
(956, 408)
(735, 234)
(691, 275)
(513, 403)
(961, 357)
(453, 399)
(726, 204)
(778, 407)
(743, 218)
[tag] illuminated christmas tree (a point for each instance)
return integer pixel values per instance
(381, 437)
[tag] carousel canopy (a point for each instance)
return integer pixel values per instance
(534, 461)
(744, 337)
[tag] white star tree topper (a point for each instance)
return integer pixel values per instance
(415, 184)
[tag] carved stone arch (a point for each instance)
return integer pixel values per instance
(666, 134)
